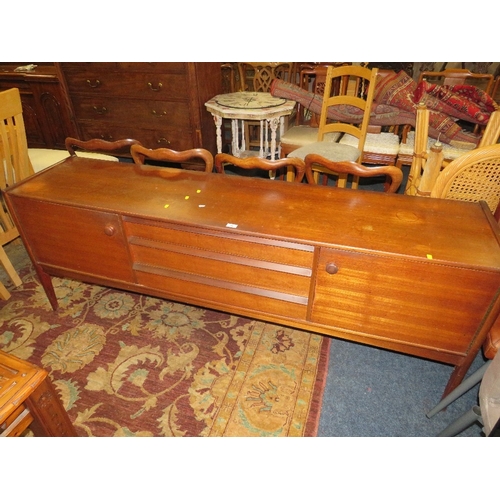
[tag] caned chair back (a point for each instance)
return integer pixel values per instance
(140, 153)
(473, 177)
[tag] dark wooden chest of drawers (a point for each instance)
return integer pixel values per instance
(159, 104)
(417, 275)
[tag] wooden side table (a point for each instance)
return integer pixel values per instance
(254, 106)
(28, 399)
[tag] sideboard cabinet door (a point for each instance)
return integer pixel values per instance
(86, 241)
(436, 305)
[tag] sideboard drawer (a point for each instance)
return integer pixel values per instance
(418, 302)
(254, 272)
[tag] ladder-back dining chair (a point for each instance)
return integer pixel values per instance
(356, 88)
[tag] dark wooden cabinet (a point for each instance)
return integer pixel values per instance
(45, 110)
(159, 104)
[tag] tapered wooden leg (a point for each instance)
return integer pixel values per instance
(46, 282)
(49, 416)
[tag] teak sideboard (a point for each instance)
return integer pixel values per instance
(415, 275)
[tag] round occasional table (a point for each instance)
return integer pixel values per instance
(254, 106)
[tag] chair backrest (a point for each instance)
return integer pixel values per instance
(312, 79)
(355, 86)
(258, 76)
(419, 149)
(254, 162)
(99, 145)
(474, 176)
(352, 168)
(139, 153)
(492, 131)
(14, 160)
(457, 76)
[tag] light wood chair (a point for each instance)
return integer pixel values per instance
(484, 81)
(474, 176)
(305, 128)
(253, 162)
(357, 85)
(15, 165)
(341, 170)
(140, 153)
(424, 150)
(29, 400)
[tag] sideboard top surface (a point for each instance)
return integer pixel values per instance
(442, 230)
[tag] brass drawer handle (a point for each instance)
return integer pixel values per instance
(94, 85)
(158, 87)
(332, 268)
(102, 110)
(163, 140)
(159, 115)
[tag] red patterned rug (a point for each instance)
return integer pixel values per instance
(131, 365)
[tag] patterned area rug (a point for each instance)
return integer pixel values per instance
(131, 365)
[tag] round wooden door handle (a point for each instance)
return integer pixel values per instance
(109, 230)
(332, 268)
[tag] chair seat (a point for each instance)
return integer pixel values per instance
(449, 152)
(383, 143)
(301, 135)
(332, 151)
(43, 158)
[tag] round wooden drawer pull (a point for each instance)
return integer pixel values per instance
(331, 268)
(109, 230)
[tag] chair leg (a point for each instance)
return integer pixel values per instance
(467, 384)
(9, 268)
(462, 423)
(4, 293)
